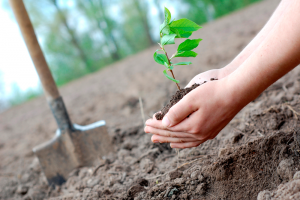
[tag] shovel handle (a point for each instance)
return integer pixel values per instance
(53, 97)
(37, 56)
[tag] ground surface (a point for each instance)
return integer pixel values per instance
(255, 156)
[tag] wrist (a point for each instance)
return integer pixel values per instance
(238, 90)
(243, 88)
(227, 70)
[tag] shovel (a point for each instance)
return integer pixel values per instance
(73, 145)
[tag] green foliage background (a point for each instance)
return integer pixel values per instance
(80, 37)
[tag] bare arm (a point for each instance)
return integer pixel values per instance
(259, 38)
(247, 51)
(276, 55)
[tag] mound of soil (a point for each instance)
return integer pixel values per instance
(255, 156)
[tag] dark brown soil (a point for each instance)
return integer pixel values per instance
(175, 98)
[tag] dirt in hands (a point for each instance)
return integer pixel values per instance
(175, 98)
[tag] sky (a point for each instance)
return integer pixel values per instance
(16, 67)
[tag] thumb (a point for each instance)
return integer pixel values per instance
(180, 110)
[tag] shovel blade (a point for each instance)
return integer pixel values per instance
(72, 149)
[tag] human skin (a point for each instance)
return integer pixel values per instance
(247, 51)
(274, 52)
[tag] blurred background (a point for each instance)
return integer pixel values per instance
(79, 37)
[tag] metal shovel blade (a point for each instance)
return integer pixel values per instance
(72, 149)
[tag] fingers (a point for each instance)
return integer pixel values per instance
(191, 125)
(167, 133)
(154, 123)
(186, 144)
(181, 110)
(163, 139)
(157, 124)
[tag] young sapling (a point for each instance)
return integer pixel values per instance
(169, 30)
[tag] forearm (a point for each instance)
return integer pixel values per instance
(276, 55)
(257, 40)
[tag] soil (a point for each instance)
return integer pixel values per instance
(174, 99)
(255, 157)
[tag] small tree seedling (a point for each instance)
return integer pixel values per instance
(169, 30)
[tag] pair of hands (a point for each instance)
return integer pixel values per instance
(210, 106)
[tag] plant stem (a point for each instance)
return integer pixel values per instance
(171, 70)
(175, 78)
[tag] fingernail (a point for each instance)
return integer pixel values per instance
(165, 121)
(153, 140)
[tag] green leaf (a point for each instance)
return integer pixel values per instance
(160, 58)
(167, 16)
(169, 77)
(168, 39)
(164, 28)
(181, 33)
(186, 54)
(183, 63)
(185, 24)
(188, 45)
(167, 65)
(171, 21)
(185, 34)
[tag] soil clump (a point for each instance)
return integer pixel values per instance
(174, 99)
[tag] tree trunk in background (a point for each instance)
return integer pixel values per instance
(90, 8)
(74, 40)
(108, 32)
(160, 11)
(145, 23)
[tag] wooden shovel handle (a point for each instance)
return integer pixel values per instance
(34, 49)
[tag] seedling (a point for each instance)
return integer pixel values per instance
(169, 30)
